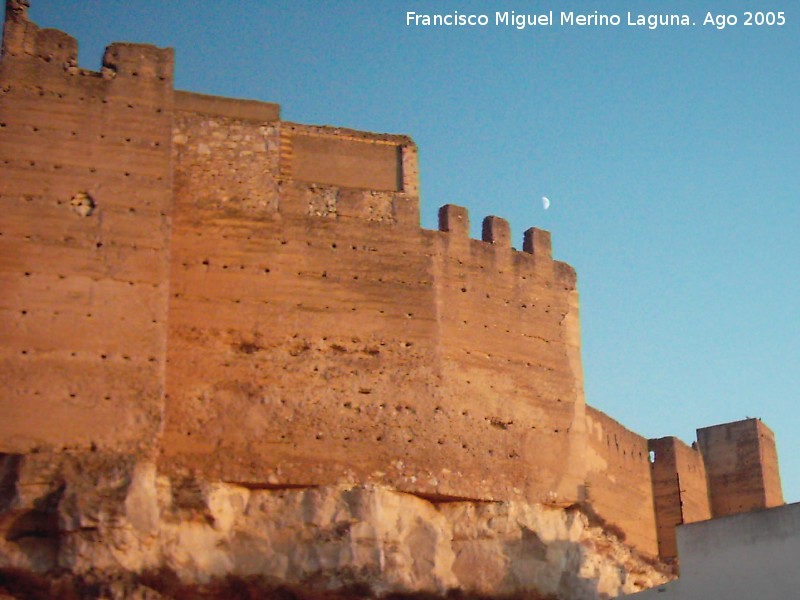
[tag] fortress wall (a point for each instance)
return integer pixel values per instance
(242, 158)
(342, 173)
(291, 363)
(619, 485)
(768, 458)
(346, 162)
(693, 483)
(224, 161)
(315, 333)
(504, 356)
(680, 490)
(308, 338)
(220, 106)
(737, 456)
(301, 337)
(346, 157)
(85, 190)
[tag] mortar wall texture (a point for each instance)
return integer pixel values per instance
(194, 281)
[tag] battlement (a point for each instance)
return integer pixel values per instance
(52, 50)
(140, 61)
(536, 256)
(251, 300)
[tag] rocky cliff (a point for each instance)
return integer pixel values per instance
(119, 529)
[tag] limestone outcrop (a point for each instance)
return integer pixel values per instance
(113, 520)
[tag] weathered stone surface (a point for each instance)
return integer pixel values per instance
(111, 519)
(742, 467)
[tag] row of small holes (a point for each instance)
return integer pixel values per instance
(94, 279)
(103, 356)
(41, 92)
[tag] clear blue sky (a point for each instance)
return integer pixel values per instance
(670, 157)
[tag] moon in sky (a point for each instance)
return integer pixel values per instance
(545, 202)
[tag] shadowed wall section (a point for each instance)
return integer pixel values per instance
(346, 161)
(619, 485)
(680, 492)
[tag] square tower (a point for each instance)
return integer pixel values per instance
(742, 467)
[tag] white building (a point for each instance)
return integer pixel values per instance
(748, 556)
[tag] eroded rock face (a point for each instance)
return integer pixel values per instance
(113, 517)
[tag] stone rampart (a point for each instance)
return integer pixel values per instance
(619, 484)
(85, 190)
(680, 491)
(253, 301)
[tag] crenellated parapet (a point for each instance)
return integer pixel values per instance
(497, 231)
(141, 61)
(36, 50)
(23, 39)
(536, 255)
(455, 221)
